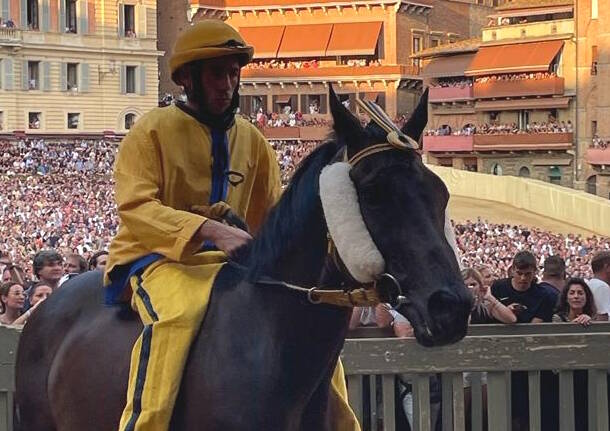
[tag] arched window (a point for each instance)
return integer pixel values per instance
(524, 172)
(130, 119)
(496, 169)
(592, 184)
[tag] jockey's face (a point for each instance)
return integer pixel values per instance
(219, 78)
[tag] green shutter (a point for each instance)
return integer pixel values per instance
(83, 22)
(46, 76)
(46, 24)
(7, 82)
(142, 80)
(63, 77)
(6, 11)
(24, 14)
(24, 75)
(123, 79)
(121, 20)
(62, 16)
(141, 11)
(84, 77)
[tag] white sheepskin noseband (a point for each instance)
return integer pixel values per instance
(346, 226)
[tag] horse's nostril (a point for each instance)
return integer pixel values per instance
(443, 303)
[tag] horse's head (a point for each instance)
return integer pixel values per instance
(400, 205)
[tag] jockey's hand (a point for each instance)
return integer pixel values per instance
(226, 238)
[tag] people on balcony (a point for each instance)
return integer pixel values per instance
(515, 77)
(452, 83)
(503, 129)
(598, 142)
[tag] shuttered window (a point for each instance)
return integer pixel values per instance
(142, 80)
(84, 77)
(7, 70)
(130, 79)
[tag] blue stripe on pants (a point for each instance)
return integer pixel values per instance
(141, 377)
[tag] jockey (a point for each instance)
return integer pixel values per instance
(175, 161)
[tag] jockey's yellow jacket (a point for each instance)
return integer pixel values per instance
(163, 169)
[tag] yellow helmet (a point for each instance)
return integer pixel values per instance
(209, 39)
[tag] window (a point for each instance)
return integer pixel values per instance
(471, 164)
(417, 46)
(555, 175)
(434, 42)
(524, 119)
(594, 9)
(72, 76)
(1, 120)
(130, 119)
(32, 14)
(73, 120)
(594, 59)
(593, 128)
(71, 26)
(496, 169)
(130, 79)
(445, 161)
(34, 120)
(524, 172)
(129, 22)
(33, 75)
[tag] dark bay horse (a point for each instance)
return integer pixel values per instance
(264, 355)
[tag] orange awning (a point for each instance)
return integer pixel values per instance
(307, 40)
(354, 38)
(265, 40)
(514, 58)
(448, 66)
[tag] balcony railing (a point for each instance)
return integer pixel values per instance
(306, 133)
(525, 141)
(10, 35)
(448, 94)
(525, 87)
(320, 72)
(448, 143)
(598, 156)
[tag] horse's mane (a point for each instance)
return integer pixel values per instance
(284, 227)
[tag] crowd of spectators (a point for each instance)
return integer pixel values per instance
(36, 156)
(452, 82)
(515, 77)
(598, 142)
(7, 23)
(503, 129)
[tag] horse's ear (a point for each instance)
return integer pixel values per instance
(417, 122)
(345, 124)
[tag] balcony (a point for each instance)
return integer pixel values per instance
(598, 156)
(525, 87)
(325, 72)
(293, 133)
(10, 35)
(448, 143)
(450, 94)
(525, 141)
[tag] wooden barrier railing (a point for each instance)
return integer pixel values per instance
(373, 361)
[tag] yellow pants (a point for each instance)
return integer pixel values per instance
(171, 299)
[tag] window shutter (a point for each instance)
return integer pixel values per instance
(24, 14)
(5, 10)
(84, 77)
(141, 17)
(45, 16)
(123, 79)
(121, 20)
(83, 23)
(24, 75)
(46, 76)
(62, 16)
(7, 82)
(63, 77)
(142, 88)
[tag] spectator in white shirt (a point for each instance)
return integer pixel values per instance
(600, 284)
